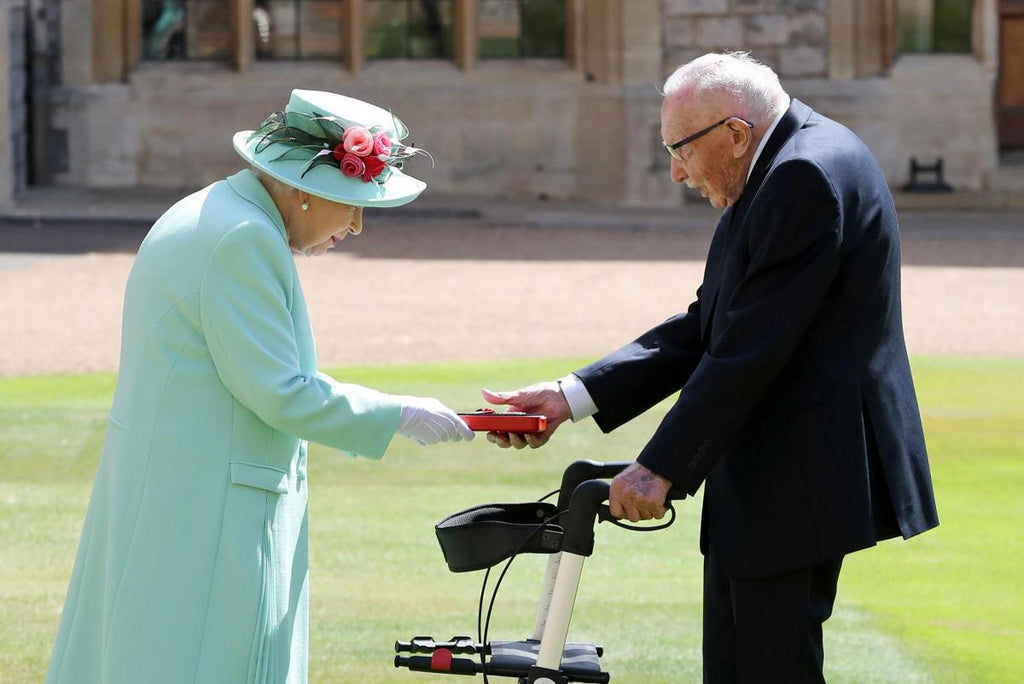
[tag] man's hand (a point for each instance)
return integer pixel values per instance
(638, 494)
(544, 398)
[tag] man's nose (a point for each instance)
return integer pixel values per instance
(678, 171)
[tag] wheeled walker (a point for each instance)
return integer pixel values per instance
(480, 537)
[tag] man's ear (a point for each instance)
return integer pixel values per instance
(742, 138)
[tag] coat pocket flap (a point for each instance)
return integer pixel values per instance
(259, 476)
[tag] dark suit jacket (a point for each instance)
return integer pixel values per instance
(796, 403)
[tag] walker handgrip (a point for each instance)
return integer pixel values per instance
(587, 503)
(461, 645)
(460, 666)
(580, 471)
(604, 513)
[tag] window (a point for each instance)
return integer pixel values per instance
(185, 29)
(297, 29)
(349, 31)
(934, 26)
(511, 29)
(409, 29)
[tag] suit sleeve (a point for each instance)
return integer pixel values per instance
(637, 376)
(245, 306)
(794, 254)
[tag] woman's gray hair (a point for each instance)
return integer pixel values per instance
(734, 76)
(268, 180)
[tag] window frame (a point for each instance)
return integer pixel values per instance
(465, 35)
(298, 57)
(863, 38)
(933, 33)
(137, 54)
(407, 57)
(520, 40)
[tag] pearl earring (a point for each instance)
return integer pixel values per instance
(305, 205)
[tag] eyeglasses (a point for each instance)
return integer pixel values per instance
(673, 149)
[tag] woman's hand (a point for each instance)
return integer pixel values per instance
(427, 421)
(545, 398)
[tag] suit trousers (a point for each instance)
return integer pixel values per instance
(767, 630)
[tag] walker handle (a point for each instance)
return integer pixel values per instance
(580, 471)
(586, 504)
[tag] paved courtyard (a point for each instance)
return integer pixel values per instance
(554, 283)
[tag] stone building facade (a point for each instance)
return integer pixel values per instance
(86, 108)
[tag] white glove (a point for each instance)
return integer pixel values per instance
(427, 421)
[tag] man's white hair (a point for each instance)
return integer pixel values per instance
(734, 76)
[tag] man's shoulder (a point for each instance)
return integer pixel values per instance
(825, 154)
(820, 136)
(830, 146)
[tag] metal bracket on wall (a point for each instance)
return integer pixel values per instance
(932, 172)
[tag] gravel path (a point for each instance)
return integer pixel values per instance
(464, 291)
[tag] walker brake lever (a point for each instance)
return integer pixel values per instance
(604, 514)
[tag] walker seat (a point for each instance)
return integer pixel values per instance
(480, 537)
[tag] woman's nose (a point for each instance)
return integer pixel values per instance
(356, 227)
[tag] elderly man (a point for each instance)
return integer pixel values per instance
(796, 406)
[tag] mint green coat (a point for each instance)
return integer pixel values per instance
(192, 566)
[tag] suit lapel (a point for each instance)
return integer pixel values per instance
(713, 270)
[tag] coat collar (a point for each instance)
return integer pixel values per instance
(248, 186)
(794, 118)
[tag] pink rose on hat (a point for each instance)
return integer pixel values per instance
(381, 144)
(352, 165)
(357, 140)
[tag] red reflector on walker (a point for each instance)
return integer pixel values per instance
(441, 660)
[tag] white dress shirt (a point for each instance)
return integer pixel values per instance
(764, 140)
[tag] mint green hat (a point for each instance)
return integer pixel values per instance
(335, 147)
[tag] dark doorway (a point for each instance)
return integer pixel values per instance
(17, 100)
(1010, 89)
(47, 152)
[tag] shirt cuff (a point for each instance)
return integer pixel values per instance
(580, 402)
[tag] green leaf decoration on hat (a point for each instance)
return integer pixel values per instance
(324, 157)
(301, 152)
(331, 128)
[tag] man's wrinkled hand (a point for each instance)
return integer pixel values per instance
(544, 398)
(638, 493)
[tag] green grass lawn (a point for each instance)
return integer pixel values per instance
(947, 607)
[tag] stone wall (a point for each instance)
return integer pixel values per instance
(790, 36)
(509, 129)
(525, 130)
(925, 106)
(511, 132)
(932, 106)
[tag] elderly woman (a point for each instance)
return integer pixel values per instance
(192, 566)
